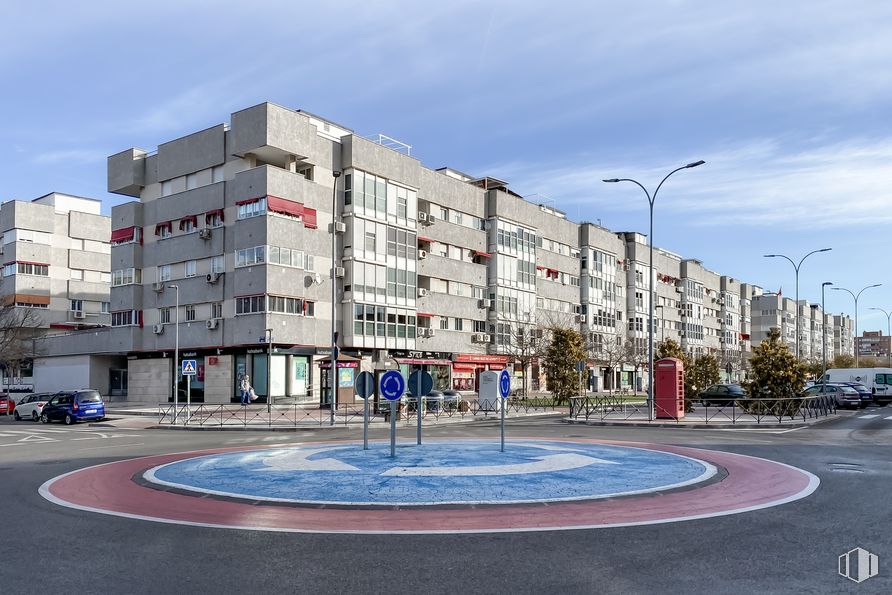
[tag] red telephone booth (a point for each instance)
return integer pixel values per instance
(669, 388)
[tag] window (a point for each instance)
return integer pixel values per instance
(77, 274)
(191, 268)
(479, 326)
(217, 174)
(217, 310)
(166, 187)
(254, 208)
(444, 322)
(458, 324)
(250, 305)
(103, 307)
(164, 230)
(187, 225)
(191, 181)
(77, 305)
(127, 318)
(26, 268)
(250, 256)
(289, 305)
(164, 272)
(189, 312)
(126, 277)
(164, 315)
(218, 264)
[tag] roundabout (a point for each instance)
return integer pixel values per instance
(443, 486)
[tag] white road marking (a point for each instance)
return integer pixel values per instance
(35, 431)
(546, 464)
(297, 461)
(36, 438)
(867, 416)
(890, 417)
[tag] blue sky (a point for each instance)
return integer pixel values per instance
(786, 101)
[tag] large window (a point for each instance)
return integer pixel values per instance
(250, 256)
(250, 305)
(126, 318)
(254, 208)
(26, 268)
(126, 277)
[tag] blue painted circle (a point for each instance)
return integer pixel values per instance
(448, 472)
(392, 386)
(364, 385)
(504, 384)
(424, 379)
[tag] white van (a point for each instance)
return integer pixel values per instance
(878, 380)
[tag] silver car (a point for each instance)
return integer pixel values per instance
(845, 395)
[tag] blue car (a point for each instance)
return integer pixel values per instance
(71, 406)
(863, 392)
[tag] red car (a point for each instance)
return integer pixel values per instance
(7, 404)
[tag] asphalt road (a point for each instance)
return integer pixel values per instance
(792, 548)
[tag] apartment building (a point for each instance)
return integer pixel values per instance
(873, 344)
(56, 275)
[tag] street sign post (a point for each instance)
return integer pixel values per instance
(392, 386)
(365, 388)
(188, 370)
(420, 384)
(504, 391)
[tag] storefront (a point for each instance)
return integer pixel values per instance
(466, 368)
(348, 368)
(437, 364)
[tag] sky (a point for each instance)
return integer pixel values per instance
(787, 102)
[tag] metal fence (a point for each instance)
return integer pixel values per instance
(780, 410)
(294, 416)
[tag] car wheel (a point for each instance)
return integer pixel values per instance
(68, 419)
(34, 416)
(17, 416)
(44, 419)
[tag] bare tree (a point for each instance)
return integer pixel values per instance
(18, 328)
(607, 350)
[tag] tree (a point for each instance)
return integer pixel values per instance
(776, 372)
(814, 368)
(842, 361)
(635, 353)
(17, 330)
(609, 351)
(528, 344)
(704, 373)
(564, 351)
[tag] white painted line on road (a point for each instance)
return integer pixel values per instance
(868, 416)
(8, 435)
(890, 417)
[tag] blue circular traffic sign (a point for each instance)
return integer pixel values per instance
(364, 385)
(420, 383)
(504, 384)
(392, 385)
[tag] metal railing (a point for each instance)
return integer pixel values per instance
(768, 410)
(294, 416)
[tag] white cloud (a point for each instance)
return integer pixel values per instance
(70, 156)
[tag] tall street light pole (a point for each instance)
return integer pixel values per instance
(176, 353)
(823, 333)
(889, 332)
(796, 268)
(269, 370)
(333, 379)
(855, 296)
(650, 279)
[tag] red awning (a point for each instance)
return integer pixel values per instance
(424, 239)
(465, 367)
(192, 218)
(423, 315)
(42, 264)
(540, 268)
(209, 214)
(247, 201)
(120, 236)
(310, 218)
(481, 253)
(284, 206)
(162, 225)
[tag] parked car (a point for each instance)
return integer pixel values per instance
(722, 394)
(862, 390)
(451, 399)
(7, 404)
(73, 406)
(31, 406)
(845, 395)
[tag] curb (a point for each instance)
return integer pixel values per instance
(702, 426)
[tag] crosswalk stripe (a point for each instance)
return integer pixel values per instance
(869, 416)
(890, 417)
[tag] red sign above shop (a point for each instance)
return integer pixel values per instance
(481, 358)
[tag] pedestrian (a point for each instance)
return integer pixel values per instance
(246, 389)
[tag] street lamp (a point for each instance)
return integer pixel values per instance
(796, 268)
(650, 279)
(889, 332)
(176, 354)
(823, 333)
(855, 296)
(268, 336)
(333, 378)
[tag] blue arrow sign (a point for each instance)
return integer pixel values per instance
(504, 384)
(364, 385)
(392, 386)
(420, 383)
(188, 367)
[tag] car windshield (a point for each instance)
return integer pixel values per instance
(736, 389)
(89, 396)
(848, 390)
(860, 387)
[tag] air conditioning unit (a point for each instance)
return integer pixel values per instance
(422, 254)
(78, 314)
(626, 267)
(428, 218)
(682, 334)
(484, 303)
(213, 277)
(339, 227)
(205, 233)
(213, 323)
(339, 272)
(679, 290)
(478, 338)
(158, 286)
(430, 332)
(158, 329)
(422, 216)
(422, 292)
(580, 318)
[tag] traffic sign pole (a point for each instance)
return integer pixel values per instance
(504, 391)
(364, 386)
(392, 386)
(393, 428)
(419, 406)
(188, 398)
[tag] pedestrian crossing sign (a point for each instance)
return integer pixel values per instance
(188, 367)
